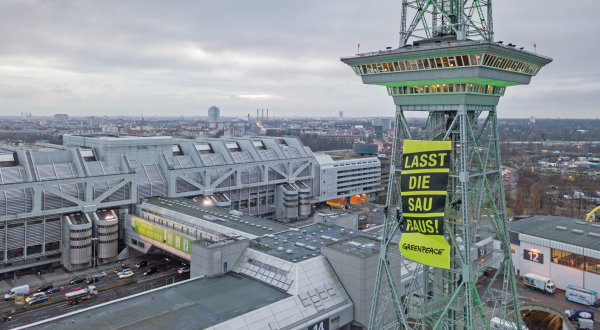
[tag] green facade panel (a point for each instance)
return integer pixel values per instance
(178, 242)
(145, 229)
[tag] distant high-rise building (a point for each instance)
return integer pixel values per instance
(61, 118)
(378, 132)
(532, 120)
(386, 123)
(25, 114)
(95, 121)
(214, 114)
(341, 114)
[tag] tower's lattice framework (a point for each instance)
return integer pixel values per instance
(457, 74)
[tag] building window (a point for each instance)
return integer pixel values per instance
(52, 246)
(592, 265)
(34, 249)
(512, 249)
(568, 259)
(15, 253)
(244, 204)
(235, 205)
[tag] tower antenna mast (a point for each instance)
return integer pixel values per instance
(456, 73)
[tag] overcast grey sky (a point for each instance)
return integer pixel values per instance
(181, 57)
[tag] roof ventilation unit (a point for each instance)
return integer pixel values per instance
(577, 231)
(289, 251)
(594, 234)
(561, 228)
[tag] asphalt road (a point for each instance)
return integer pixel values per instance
(557, 300)
(168, 274)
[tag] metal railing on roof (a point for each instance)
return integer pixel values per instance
(446, 45)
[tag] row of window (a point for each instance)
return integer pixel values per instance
(137, 243)
(80, 230)
(361, 177)
(107, 226)
(448, 62)
(31, 250)
(268, 267)
(108, 234)
(358, 163)
(80, 238)
(375, 170)
(81, 247)
(108, 242)
(362, 169)
(243, 204)
(576, 261)
(29, 223)
(447, 88)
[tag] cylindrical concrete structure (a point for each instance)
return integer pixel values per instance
(106, 224)
(303, 200)
(80, 240)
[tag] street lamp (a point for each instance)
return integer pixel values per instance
(94, 239)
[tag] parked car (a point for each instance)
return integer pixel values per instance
(151, 271)
(100, 274)
(125, 274)
(34, 296)
(183, 270)
(38, 300)
(92, 279)
(55, 289)
(77, 279)
(143, 263)
(45, 287)
(74, 289)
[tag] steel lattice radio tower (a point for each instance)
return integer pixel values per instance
(457, 73)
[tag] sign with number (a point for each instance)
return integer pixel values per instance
(20, 299)
(533, 255)
(321, 325)
(482, 252)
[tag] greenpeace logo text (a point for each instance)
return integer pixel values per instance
(422, 249)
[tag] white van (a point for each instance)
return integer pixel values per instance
(498, 323)
(17, 289)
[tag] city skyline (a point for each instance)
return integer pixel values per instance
(83, 59)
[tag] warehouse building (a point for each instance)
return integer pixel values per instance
(564, 249)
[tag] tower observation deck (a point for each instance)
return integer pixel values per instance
(456, 73)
